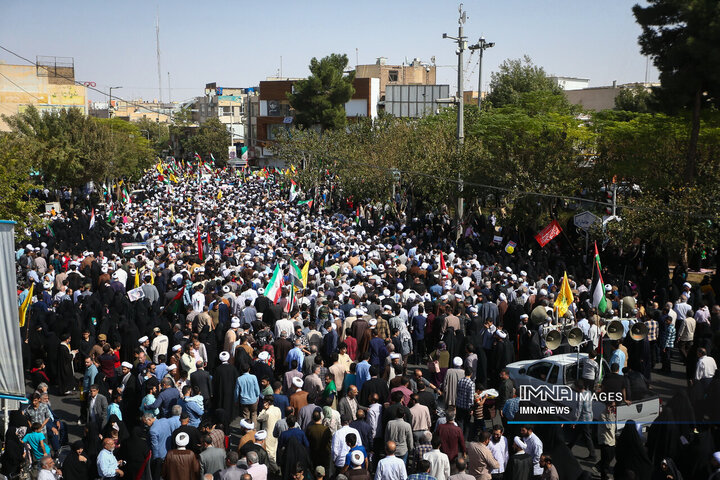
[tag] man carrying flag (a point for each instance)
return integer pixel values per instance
(274, 288)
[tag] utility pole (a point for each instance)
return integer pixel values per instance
(110, 101)
(462, 45)
(482, 45)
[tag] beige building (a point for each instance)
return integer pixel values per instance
(600, 98)
(49, 86)
(417, 73)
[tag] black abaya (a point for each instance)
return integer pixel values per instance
(631, 455)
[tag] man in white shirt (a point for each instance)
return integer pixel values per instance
(159, 345)
(439, 462)
(534, 448)
(706, 367)
(498, 446)
(198, 299)
(340, 448)
(392, 467)
(47, 464)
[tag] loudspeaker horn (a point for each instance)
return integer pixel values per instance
(638, 331)
(553, 339)
(538, 315)
(615, 330)
(575, 337)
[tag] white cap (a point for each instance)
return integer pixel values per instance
(143, 339)
(457, 361)
(127, 365)
(224, 356)
(182, 439)
(247, 425)
(298, 382)
(357, 458)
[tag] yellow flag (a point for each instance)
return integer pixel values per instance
(22, 311)
(160, 167)
(219, 195)
(304, 273)
(564, 298)
(173, 178)
(172, 217)
(137, 278)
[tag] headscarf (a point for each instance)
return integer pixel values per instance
(631, 454)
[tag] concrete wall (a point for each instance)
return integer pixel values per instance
(599, 98)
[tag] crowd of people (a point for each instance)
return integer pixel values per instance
(255, 336)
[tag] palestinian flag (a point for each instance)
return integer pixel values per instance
(212, 158)
(309, 203)
(296, 278)
(274, 288)
(177, 301)
(293, 190)
(598, 300)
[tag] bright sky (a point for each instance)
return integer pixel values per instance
(237, 43)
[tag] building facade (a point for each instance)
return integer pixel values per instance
(229, 105)
(272, 113)
(416, 73)
(49, 86)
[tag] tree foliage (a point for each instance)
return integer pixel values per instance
(516, 78)
(212, 137)
(320, 98)
(683, 39)
(16, 184)
(634, 99)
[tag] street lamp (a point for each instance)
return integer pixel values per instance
(482, 45)
(110, 101)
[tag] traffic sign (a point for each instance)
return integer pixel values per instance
(586, 219)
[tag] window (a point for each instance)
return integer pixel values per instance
(539, 370)
(273, 130)
(226, 111)
(393, 76)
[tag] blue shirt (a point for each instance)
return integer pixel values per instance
(247, 389)
(348, 460)
(282, 402)
(114, 409)
(418, 324)
(618, 357)
(362, 373)
(166, 400)
(107, 464)
(295, 354)
(89, 377)
(160, 434)
(160, 371)
(193, 410)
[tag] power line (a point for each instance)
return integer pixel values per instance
(21, 88)
(159, 112)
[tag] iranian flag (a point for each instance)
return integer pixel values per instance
(92, 219)
(274, 288)
(598, 289)
(244, 154)
(442, 262)
(125, 196)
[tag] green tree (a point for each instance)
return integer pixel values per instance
(68, 148)
(212, 137)
(320, 98)
(132, 152)
(633, 99)
(518, 77)
(158, 134)
(683, 39)
(16, 185)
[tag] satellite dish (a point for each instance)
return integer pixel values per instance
(464, 17)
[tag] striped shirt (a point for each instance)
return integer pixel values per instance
(669, 337)
(465, 391)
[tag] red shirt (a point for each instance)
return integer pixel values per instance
(452, 440)
(351, 343)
